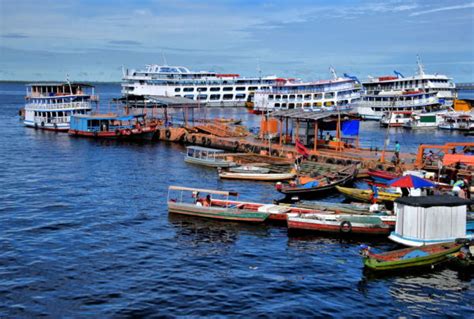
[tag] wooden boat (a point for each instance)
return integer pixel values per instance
(464, 258)
(206, 156)
(386, 216)
(112, 126)
(409, 257)
(268, 177)
(342, 224)
(381, 176)
(312, 187)
(250, 169)
(205, 208)
(365, 195)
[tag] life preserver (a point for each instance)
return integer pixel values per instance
(168, 134)
(345, 227)
(193, 139)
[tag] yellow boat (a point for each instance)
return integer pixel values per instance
(365, 195)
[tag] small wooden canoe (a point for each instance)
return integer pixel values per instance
(365, 195)
(381, 176)
(269, 177)
(338, 224)
(409, 257)
(319, 186)
(249, 169)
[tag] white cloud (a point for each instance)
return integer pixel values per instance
(464, 6)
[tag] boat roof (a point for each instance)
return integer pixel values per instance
(433, 201)
(109, 116)
(53, 83)
(207, 149)
(308, 115)
(202, 190)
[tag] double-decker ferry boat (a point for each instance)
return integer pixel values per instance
(462, 121)
(50, 105)
(325, 95)
(379, 92)
(209, 88)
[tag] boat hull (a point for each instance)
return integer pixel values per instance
(365, 195)
(257, 177)
(209, 163)
(436, 254)
(221, 213)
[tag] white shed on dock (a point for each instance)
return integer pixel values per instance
(429, 220)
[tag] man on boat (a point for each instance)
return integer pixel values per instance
(397, 150)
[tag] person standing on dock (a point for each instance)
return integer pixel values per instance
(397, 150)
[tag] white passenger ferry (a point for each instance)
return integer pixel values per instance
(209, 88)
(380, 92)
(338, 93)
(50, 105)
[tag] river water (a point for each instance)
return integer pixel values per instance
(84, 231)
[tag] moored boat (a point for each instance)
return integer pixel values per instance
(464, 258)
(195, 206)
(407, 258)
(112, 126)
(366, 195)
(338, 224)
(381, 176)
(396, 118)
(311, 187)
(249, 169)
(266, 177)
(206, 156)
(461, 121)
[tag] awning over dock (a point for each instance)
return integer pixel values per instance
(310, 116)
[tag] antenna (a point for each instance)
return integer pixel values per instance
(421, 71)
(165, 63)
(68, 82)
(333, 72)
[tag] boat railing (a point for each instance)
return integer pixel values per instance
(58, 106)
(110, 128)
(49, 120)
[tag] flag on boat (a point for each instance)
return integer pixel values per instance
(350, 128)
(301, 149)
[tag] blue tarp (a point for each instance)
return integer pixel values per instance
(350, 128)
(311, 184)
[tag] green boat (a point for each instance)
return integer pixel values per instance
(464, 258)
(179, 202)
(408, 258)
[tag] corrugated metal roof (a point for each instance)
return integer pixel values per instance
(307, 115)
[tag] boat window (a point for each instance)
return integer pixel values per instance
(318, 96)
(291, 105)
(270, 97)
(278, 97)
(299, 96)
(292, 97)
(307, 97)
(215, 97)
(202, 96)
(228, 96)
(215, 89)
(60, 113)
(188, 89)
(177, 89)
(202, 89)
(189, 96)
(240, 96)
(177, 95)
(283, 105)
(285, 96)
(253, 88)
(277, 104)
(240, 88)
(299, 104)
(228, 88)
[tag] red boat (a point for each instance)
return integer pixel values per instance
(381, 176)
(339, 224)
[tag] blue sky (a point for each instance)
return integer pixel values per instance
(92, 39)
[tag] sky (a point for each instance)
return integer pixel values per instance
(90, 40)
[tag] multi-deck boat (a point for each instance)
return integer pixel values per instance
(338, 93)
(425, 120)
(462, 121)
(380, 93)
(209, 88)
(50, 105)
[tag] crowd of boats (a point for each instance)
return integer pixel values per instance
(398, 205)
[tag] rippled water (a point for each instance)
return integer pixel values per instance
(84, 230)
